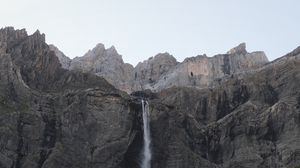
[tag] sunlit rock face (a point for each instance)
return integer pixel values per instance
(202, 71)
(149, 72)
(106, 63)
(163, 71)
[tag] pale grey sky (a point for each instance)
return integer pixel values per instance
(142, 28)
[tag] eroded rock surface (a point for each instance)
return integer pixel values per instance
(248, 120)
(63, 59)
(202, 71)
(51, 117)
(163, 71)
(106, 63)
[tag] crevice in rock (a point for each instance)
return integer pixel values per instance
(223, 105)
(269, 94)
(202, 110)
(20, 144)
(240, 96)
(226, 66)
(49, 138)
(132, 156)
(214, 149)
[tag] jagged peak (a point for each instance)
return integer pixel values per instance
(240, 49)
(53, 46)
(158, 58)
(37, 32)
(57, 50)
(99, 46)
(99, 51)
(12, 29)
(10, 33)
(38, 37)
(7, 29)
(113, 50)
(165, 55)
(198, 57)
(162, 55)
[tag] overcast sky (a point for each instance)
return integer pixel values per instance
(142, 28)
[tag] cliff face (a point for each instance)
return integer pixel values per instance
(106, 63)
(149, 72)
(52, 117)
(202, 71)
(63, 59)
(163, 71)
(248, 120)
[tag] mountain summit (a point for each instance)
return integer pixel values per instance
(232, 110)
(163, 71)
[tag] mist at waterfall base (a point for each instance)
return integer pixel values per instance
(146, 151)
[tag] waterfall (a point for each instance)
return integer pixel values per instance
(146, 153)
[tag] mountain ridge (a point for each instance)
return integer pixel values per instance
(148, 74)
(52, 117)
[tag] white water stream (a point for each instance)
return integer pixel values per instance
(146, 153)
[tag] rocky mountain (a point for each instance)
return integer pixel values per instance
(149, 72)
(248, 120)
(106, 63)
(202, 71)
(53, 117)
(163, 71)
(63, 59)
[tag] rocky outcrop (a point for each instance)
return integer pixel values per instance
(63, 59)
(52, 117)
(163, 71)
(202, 71)
(247, 120)
(150, 71)
(106, 63)
(240, 49)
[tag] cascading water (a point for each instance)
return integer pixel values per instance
(146, 153)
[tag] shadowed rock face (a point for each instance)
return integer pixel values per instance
(248, 120)
(52, 117)
(63, 59)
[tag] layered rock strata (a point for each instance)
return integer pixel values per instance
(163, 71)
(52, 117)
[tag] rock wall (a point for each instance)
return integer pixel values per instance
(248, 120)
(106, 63)
(63, 59)
(163, 71)
(202, 71)
(52, 117)
(149, 72)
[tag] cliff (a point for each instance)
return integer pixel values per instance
(52, 117)
(163, 71)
